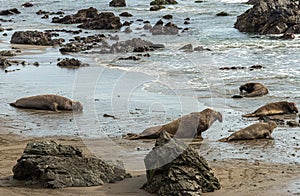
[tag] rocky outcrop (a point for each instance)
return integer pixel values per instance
(71, 63)
(134, 45)
(173, 168)
(117, 3)
(52, 165)
(270, 17)
(91, 19)
(34, 38)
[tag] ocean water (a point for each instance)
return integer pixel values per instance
(157, 89)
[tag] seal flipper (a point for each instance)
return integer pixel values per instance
(13, 104)
(225, 139)
(249, 115)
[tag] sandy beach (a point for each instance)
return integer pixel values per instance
(237, 176)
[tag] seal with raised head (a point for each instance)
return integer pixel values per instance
(47, 102)
(281, 107)
(255, 131)
(252, 89)
(188, 126)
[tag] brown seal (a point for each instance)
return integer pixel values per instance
(188, 126)
(281, 107)
(255, 131)
(47, 102)
(253, 89)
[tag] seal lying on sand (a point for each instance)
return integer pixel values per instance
(188, 126)
(281, 107)
(255, 131)
(47, 102)
(252, 89)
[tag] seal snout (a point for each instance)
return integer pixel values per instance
(77, 106)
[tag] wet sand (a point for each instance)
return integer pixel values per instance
(237, 176)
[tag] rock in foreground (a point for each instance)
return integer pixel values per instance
(52, 165)
(173, 168)
(270, 17)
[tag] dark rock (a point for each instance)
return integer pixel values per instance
(199, 1)
(134, 58)
(237, 96)
(105, 20)
(168, 29)
(81, 16)
(10, 12)
(52, 165)
(27, 4)
(7, 53)
(222, 14)
(187, 19)
(33, 38)
(163, 2)
(125, 14)
(128, 30)
(71, 63)
(270, 17)
(126, 23)
(201, 48)
(109, 116)
(41, 12)
(156, 7)
(256, 67)
(133, 45)
(173, 168)
(147, 27)
(292, 123)
(117, 3)
(287, 36)
(187, 48)
(4, 62)
(231, 68)
(168, 16)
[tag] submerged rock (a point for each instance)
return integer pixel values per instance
(163, 2)
(173, 168)
(52, 165)
(270, 17)
(160, 29)
(134, 45)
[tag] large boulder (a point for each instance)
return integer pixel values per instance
(117, 3)
(52, 165)
(173, 168)
(270, 17)
(33, 38)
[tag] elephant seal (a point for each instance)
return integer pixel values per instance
(47, 102)
(188, 126)
(255, 131)
(281, 107)
(253, 89)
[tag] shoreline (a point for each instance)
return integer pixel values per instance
(236, 175)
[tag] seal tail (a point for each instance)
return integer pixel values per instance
(249, 115)
(225, 139)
